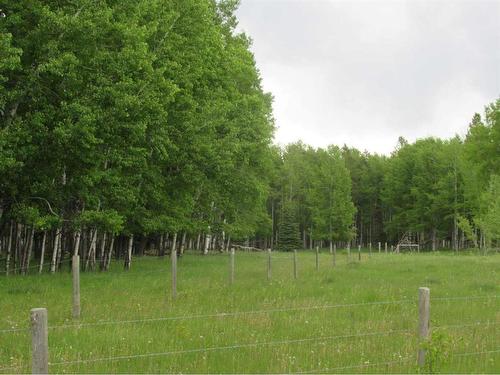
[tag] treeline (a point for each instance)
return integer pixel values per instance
(136, 127)
(127, 123)
(441, 193)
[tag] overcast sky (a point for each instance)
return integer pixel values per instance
(365, 72)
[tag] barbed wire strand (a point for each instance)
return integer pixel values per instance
(233, 314)
(400, 361)
(35, 266)
(229, 314)
(467, 325)
(462, 298)
(228, 347)
(11, 368)
(476, 353)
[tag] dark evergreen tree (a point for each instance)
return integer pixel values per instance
(288, 237)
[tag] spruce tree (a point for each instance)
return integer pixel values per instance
(289, 237)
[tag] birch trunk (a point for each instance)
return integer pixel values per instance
(102, 260)
(198, 238)
(207, 244)
(128, 258)
(42, 255)
(60, 251)
(76, 247)
(55, 250)
(183, 242)
(110, 253)
(9, 248)
(30, 249)
(91, 252)
(174, 243)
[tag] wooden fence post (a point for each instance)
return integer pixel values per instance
(359, 253)
(423, 321)
(317, 258)
(75, 266)
(173, 258)
(39, 341)
(231, 266)
(379, 247)
(295, 264)
(370, 250)
(269, 264)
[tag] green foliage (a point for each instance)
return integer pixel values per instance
(437, 352)
(135, 116)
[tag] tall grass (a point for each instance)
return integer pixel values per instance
(368, 337)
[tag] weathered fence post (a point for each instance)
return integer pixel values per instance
(317, 258)
(75, 266)
(295, 264)
(231, 266)
(39, 341)
(379, 246)
(173, 258)
(269, 264)
(370, 250)
(334, 254)
(423, 321)
(331, 247)
(359, 253)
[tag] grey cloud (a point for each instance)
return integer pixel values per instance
(365, 72)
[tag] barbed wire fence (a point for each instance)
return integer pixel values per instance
(40, 330)
(247, 345)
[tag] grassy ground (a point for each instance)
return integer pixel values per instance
(371, 338)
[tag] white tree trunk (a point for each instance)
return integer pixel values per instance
(128, 259)
(42, 255)
(55, 250)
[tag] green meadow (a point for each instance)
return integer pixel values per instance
(355, 317)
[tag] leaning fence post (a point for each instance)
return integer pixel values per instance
(423, 321)
(295, 264)
(231, 266)
(317, 258)
(269, 264)
(39, 341)
(75, 266)
(173, 256)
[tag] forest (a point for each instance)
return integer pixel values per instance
(141, 127)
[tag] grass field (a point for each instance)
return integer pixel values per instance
(354, 334)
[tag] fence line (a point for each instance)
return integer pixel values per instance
(229, 314)
(229, 347)
(14, 330)
(10, 368)
(463, 298)
(403, 360)
(35, 266)
(476, 353)
(468, 325)
(400, 361)
(239, 313)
